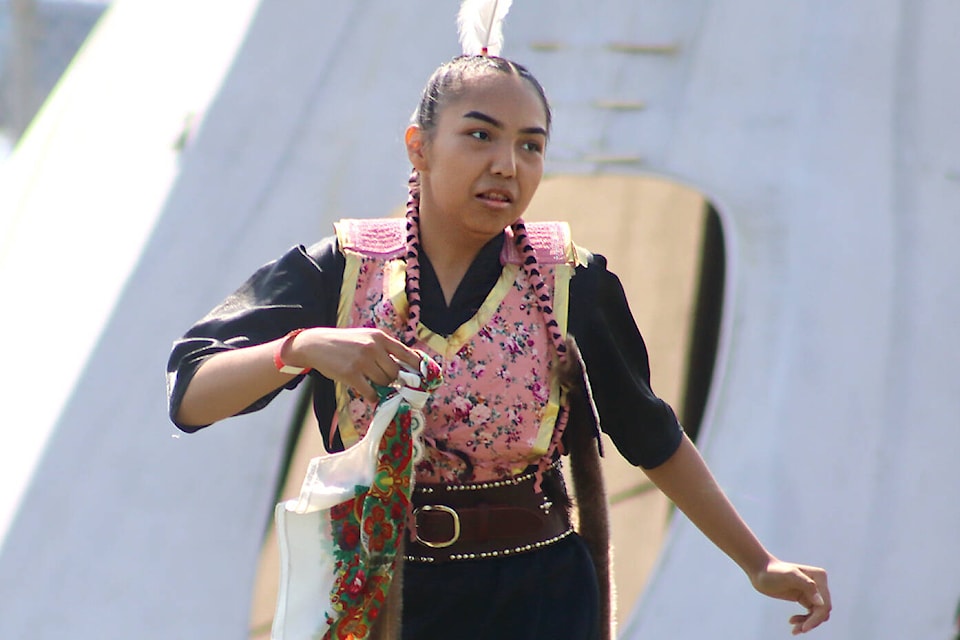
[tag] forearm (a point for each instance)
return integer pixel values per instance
(229, 382)
(685, 479)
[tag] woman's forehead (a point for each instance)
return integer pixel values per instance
(505, 95)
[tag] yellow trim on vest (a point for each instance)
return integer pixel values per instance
(580, 255)
(562, 273)
(348, 292)
(348, 288)
(463, 334)
(548, 421)
(343, 239)
(395, 283)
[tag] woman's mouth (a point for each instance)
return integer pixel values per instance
(495, 198)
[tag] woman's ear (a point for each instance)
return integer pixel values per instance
(415, 141)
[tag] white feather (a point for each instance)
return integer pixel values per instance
(480, 23)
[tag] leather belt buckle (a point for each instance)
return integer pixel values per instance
(442, 508)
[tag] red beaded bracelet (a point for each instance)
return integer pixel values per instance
(282, 367)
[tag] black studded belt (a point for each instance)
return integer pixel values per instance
(487, 519)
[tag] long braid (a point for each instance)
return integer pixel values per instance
(413, 258)
(528, 258)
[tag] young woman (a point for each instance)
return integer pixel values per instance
(465, 281)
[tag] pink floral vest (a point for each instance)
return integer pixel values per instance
(495, 411)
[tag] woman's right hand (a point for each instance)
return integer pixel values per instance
(230, 381)
(355, 357)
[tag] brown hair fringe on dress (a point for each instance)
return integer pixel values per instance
(583, 444)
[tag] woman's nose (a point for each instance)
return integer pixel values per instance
(504, 161)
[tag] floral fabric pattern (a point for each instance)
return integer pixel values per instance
(494, 413)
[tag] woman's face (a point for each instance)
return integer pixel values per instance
(481, 165)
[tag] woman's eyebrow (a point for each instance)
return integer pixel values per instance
(479, 115)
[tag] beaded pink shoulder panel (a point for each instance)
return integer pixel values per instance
(378, 237)
(386, 238)
(551, 241)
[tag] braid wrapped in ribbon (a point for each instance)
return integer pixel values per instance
(413, 259)
(545, 305)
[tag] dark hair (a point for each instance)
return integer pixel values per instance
(448, 82)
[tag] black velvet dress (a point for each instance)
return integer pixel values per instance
(547, 594)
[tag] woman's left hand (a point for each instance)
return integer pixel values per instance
(797, 583)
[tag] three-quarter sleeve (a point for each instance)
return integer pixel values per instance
(299, 289)
(643, 427)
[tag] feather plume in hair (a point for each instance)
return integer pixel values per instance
(480, 24)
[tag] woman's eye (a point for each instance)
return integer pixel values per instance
(536, 147)
(480, 135)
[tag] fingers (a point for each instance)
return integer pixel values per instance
(381, 371)
(383, 362)
(402, 352)
(365, 389)
(357, 357)
(815, 597)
